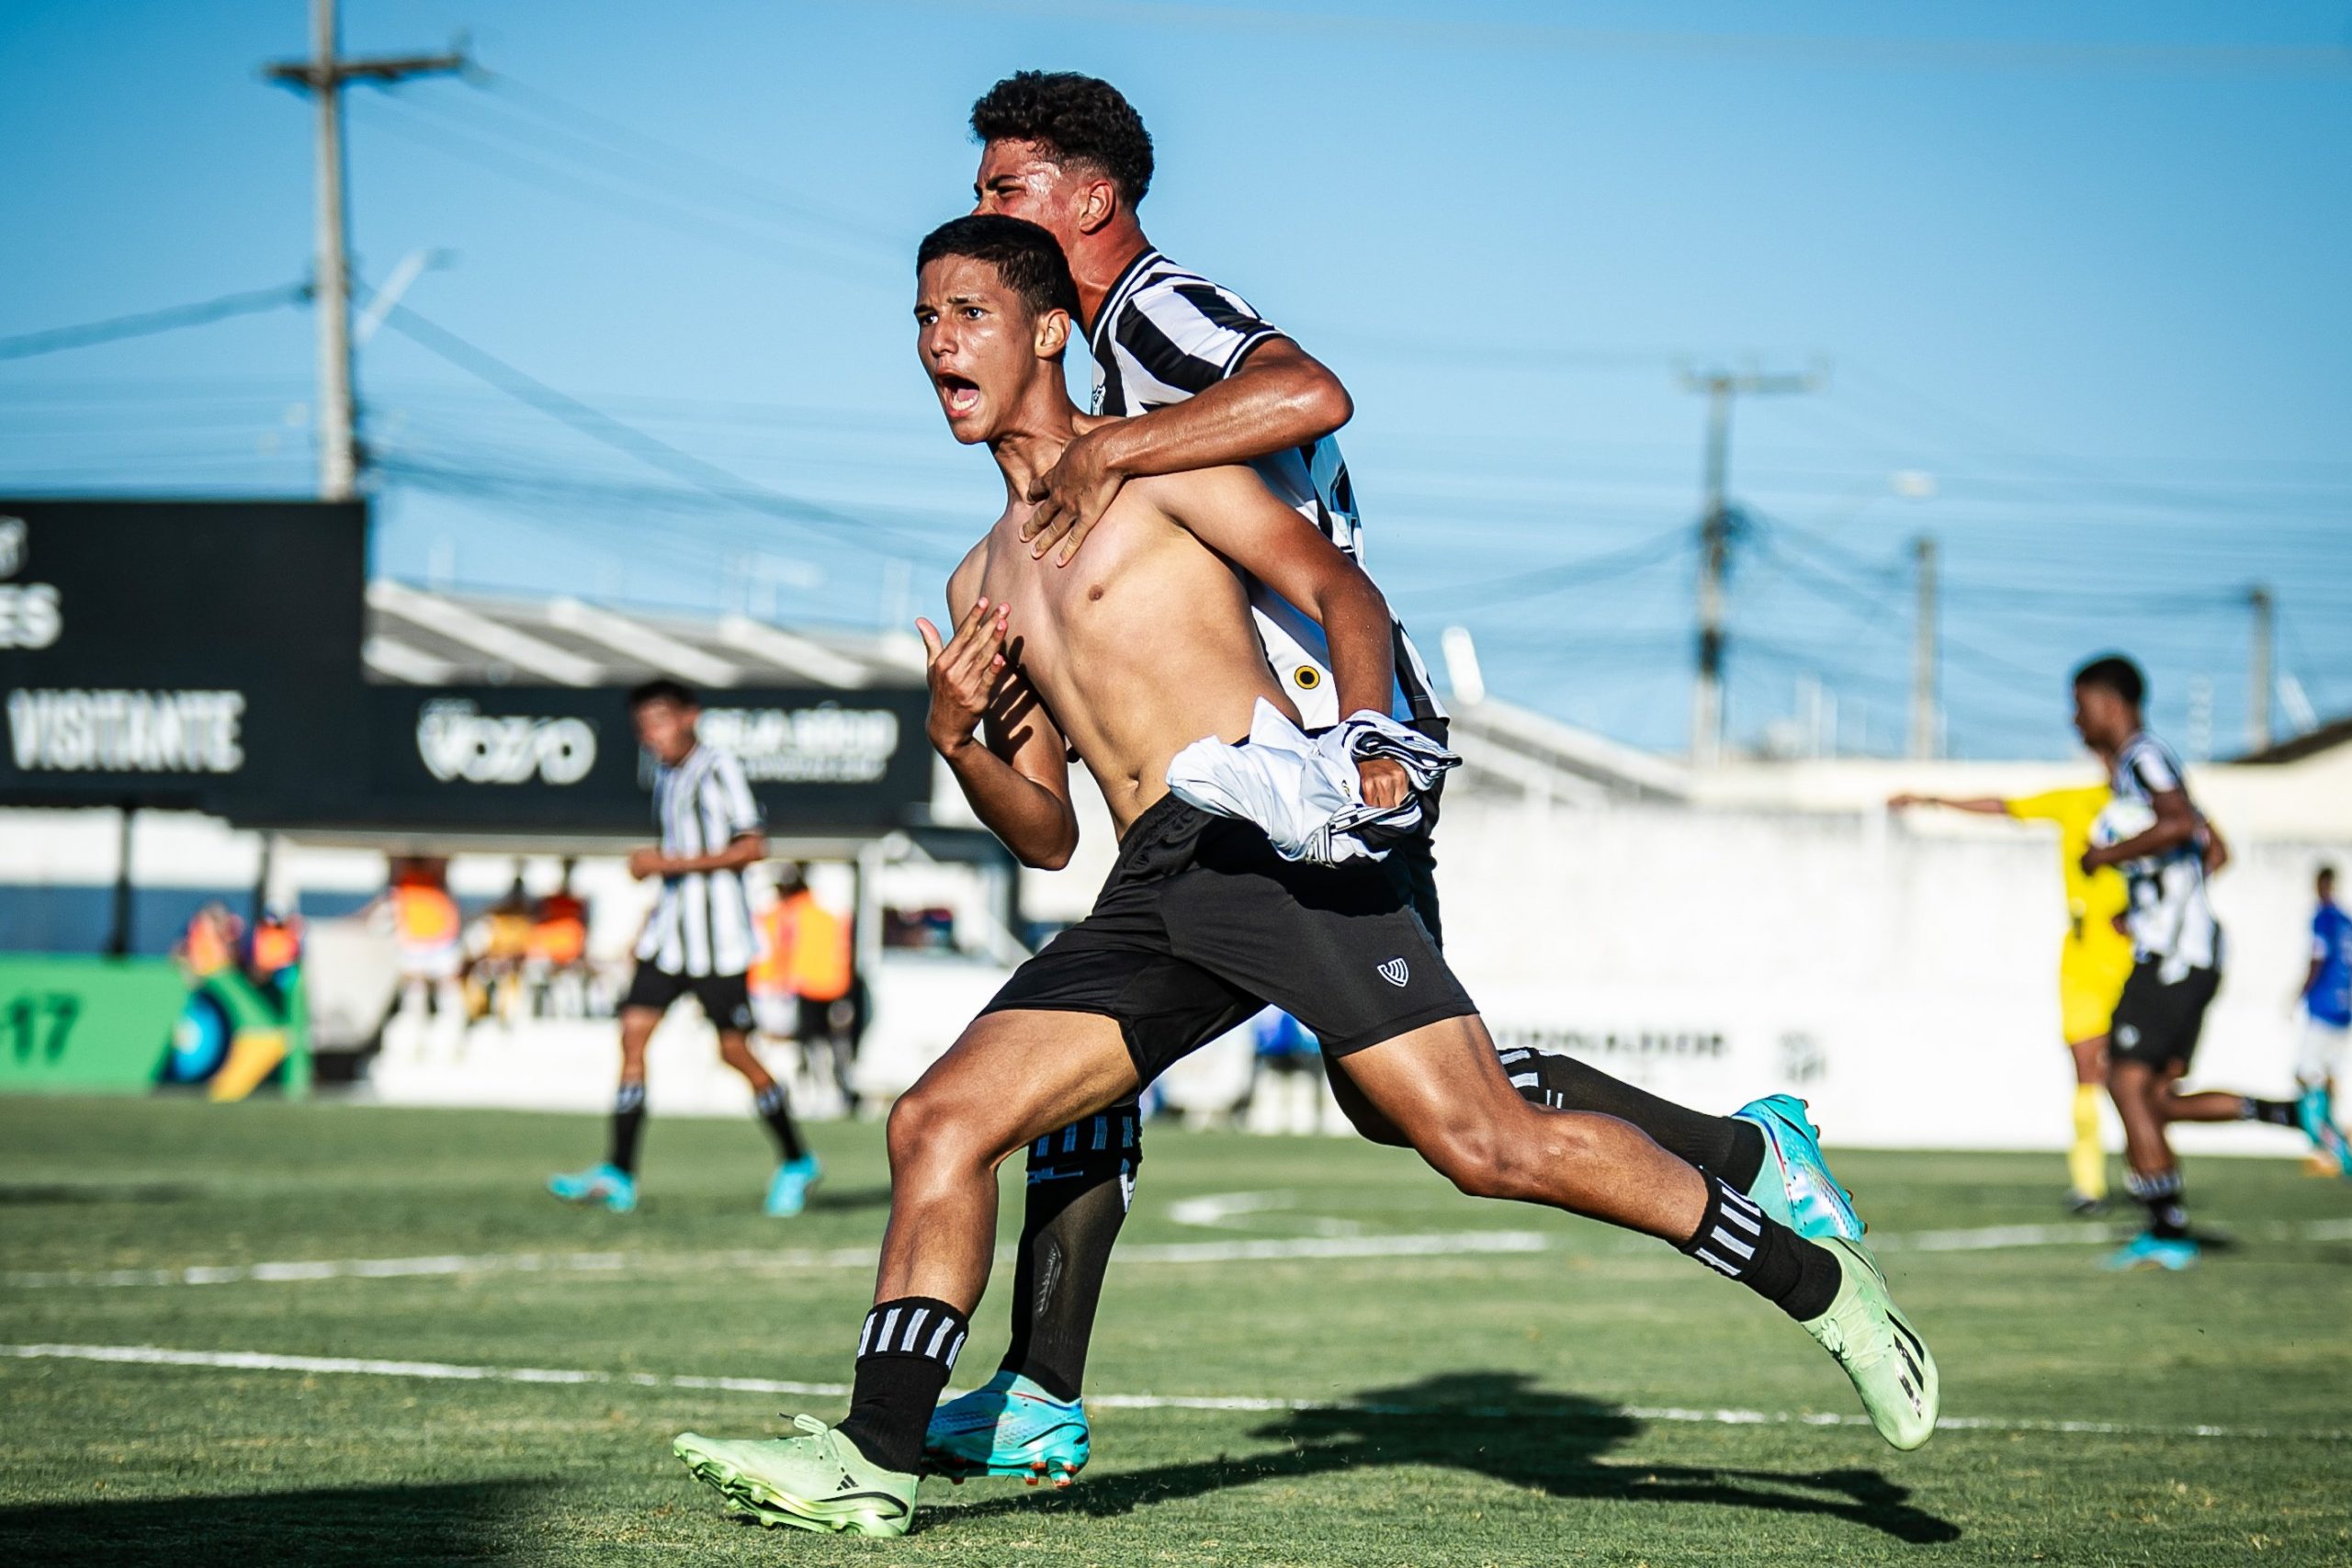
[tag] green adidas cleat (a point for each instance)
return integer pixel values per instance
(1008, 1425)
(1879, 1350)
(817, 1480)
(1795, 1186)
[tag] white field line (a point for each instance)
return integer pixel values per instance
(1991, 1238)
(1260, 1250)
(452, 1371)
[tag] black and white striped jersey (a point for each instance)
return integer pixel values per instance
(2171, 918)
(1164, 335)
(703, 924)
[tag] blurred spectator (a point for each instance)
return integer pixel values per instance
(557, 961)
(427, 935)
(496, 944)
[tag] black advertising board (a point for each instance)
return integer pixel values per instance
(557, 759)
(179, 653)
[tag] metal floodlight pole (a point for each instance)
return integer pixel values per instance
(2258, 666)
(1714, 547)
(323, 76)
(1924, 725)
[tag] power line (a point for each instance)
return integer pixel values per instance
(145, 324)
(648, 449)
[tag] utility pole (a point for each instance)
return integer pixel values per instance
(324, 76)
(1715, 546)
(1926, 730)
(2257, 692)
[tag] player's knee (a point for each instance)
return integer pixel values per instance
(1475, 1160)
(926, 1132)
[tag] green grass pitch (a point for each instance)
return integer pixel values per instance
(1550, 1405)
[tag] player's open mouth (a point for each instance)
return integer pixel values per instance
(957, 394)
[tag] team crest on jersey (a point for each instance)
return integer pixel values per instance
(1395, 972)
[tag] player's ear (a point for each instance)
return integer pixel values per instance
(1053, 335)
(1098, 203)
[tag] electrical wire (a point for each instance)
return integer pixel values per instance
(146, 323)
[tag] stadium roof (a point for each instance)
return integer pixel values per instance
(424, 638)
(430, 638)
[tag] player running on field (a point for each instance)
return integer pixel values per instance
(1205, 380)
(2176, 962)
(2326, 1002)
(1127, 661)
(2094, 960)
(700, 941)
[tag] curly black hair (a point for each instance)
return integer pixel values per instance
(1083, 119)
(1029, 259)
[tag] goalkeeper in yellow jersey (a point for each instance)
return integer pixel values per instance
(2093, 962)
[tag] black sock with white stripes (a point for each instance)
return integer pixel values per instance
(628, 1126)
(1740, 1241)
(1081, 1179)
(904, 1355)
(775, 1109)
(2160, 1194)
(1719, 1146)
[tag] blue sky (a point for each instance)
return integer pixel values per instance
(2079, 266)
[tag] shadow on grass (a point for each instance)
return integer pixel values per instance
(1492, 1424)
(365, 1527)
(32, 1192)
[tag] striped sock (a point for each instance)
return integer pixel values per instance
(1738, 1240)
(904, 1356)
(2160, 1194)
(629, 1126)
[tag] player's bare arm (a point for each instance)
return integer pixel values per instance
(1231, 512)
(1976, 804)
(2176, 823)
(1280, 397)
(997, 739)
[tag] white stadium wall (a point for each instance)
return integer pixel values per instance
(1904, 981)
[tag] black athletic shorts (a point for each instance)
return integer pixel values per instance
(1202, 923)
(726, 998)
(2156, 1021)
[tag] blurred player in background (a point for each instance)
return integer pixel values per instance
(2326, 1002)
(2094, 960)
(698, 942)
(2151, 832)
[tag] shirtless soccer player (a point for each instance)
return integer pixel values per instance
(1202, 380)
(1200, 922)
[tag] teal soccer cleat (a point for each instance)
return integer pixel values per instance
(1008, 1425)
(2148, 1250)
(1795, 1186)
(606, 1184)
(2315, 1110)
(788, 1188)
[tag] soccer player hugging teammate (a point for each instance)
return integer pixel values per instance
(1201, 380)
(2176, 960)
(1128, 663)
(700, 941)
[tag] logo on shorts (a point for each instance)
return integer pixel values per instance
(1395, 972)
(2128, 1036)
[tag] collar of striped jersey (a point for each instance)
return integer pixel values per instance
(1132, 274)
